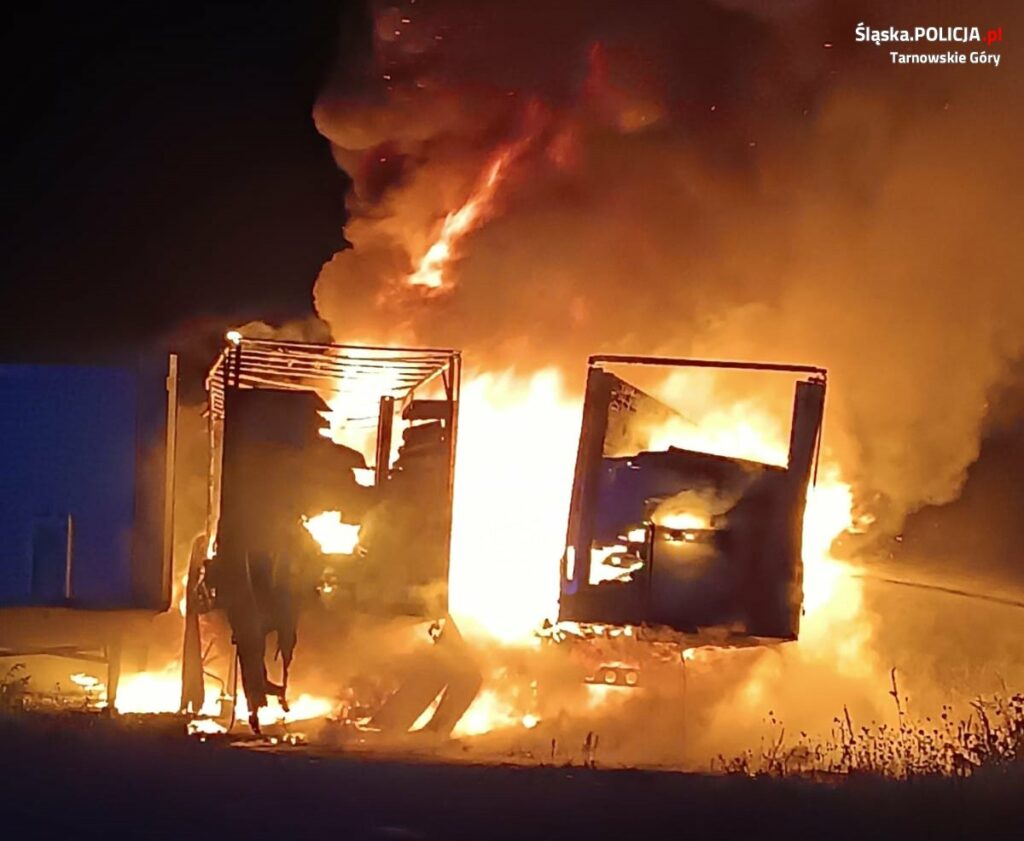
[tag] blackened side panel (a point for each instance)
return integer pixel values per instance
(584, 500)
(265, 436)
(808, 411)
(764, 545)
(805, 437)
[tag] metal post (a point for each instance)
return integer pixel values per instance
(112, 652)
(385, 423)
(170, 449)
(453, 389)
(69, 557)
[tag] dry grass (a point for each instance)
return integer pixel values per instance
(992, 733)
(13, 687)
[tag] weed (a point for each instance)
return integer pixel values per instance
(991, 733)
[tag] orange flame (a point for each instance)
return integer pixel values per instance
(430, 271)
(501, 590)
(334, 536)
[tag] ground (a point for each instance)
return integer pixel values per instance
(100, 779)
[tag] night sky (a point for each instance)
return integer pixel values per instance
(162, 174)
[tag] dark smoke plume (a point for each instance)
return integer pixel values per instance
(729, 179)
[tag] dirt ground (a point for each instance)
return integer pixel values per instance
(99, 779)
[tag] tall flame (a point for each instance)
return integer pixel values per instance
(513, 476)
(430, 271)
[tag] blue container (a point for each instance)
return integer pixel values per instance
(86, 470)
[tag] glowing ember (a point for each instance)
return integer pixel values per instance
(364, 476)
(606, 564)
(205, 727)
(488, 712)
(334, 536)
(159, 692)
(87, 682)
(681, 520)
(304, 708)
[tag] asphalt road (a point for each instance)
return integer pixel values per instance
(62, 780)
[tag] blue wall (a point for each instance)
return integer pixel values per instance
(68, 446)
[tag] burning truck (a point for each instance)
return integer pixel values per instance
(696, 542)
(673, 544)
(330, 485)
(358, 512)
(676, 545)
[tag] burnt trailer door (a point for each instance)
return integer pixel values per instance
(700, 543)
(86, 468)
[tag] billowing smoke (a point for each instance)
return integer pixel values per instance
(536, 182)
(729, 179)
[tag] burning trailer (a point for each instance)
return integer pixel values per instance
(357, 510)
(699, 545)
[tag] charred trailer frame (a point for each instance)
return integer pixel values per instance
(262, 390)
(732, 576)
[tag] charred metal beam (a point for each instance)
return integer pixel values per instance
(617, 359)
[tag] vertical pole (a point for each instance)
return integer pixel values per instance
(192, 683)
(686, 700)
(112, 650)
(385, 422)
(69, 557)
(454, 388)
(230, 697)
(170, 447)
